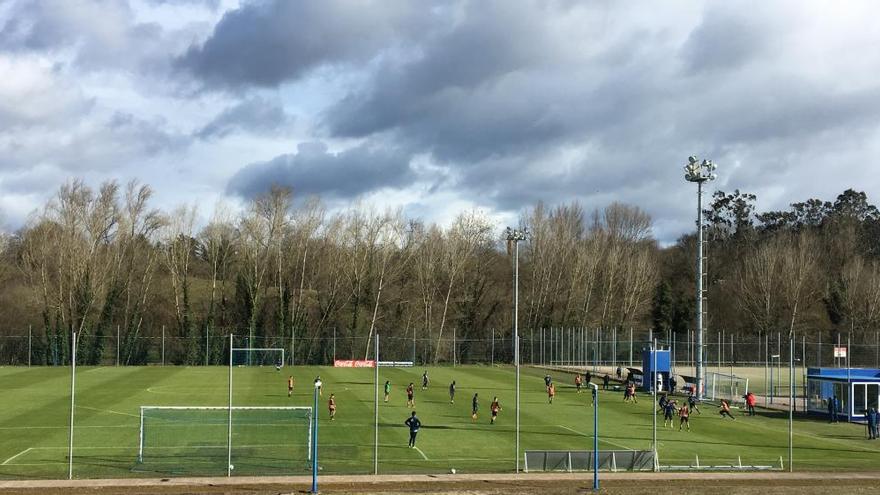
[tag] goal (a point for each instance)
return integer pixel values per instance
(726, 386)
(198, 440)
(257, 356)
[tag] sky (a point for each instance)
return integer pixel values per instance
(440, 107)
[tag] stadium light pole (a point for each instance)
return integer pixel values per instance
(595, 391)
(315, 439)
(654, 399)
(515, 236)
(699, 172)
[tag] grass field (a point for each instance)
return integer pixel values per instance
(34, 416)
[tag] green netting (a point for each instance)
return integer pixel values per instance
(194, 440)
(257, 357)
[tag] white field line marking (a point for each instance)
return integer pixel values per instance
(108, 411)
(25, 451)
(420, 452)
(600, 438)
(65, 427)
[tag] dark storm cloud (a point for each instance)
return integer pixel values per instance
(315, 170)
(265, 43)
(255, 115)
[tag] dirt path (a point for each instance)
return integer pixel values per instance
(632, 483)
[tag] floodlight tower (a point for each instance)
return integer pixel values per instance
(516, 236)
(699, 172)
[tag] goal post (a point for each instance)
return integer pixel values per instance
(195, 439)
(256, 356)
(726, 386)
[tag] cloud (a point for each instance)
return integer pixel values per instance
(255, 115)
(269, 42)
(33, 93)
(313, 170)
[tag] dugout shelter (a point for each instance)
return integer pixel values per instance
(857, 390)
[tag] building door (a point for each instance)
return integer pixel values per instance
(873, 395)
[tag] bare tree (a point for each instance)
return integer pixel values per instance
(468, 231)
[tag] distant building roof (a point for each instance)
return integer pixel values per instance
(842, 374)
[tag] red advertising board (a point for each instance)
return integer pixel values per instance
(354, 363)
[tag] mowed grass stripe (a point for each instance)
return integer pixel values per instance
(106, 434)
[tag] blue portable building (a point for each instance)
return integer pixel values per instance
(857, 390)
(656, 369)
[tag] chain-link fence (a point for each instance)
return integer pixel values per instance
(553, 346)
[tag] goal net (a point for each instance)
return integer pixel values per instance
(255, 356)
(195, 440)
(726, 386)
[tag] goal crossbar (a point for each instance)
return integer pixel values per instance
(252, 350)
(306, 409)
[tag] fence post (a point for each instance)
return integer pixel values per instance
(163, 345)
(207, 342)
(30, 333)
(453, 346)
(117, 345)
(630, 347)
(492, 359)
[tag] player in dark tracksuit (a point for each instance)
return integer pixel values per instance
(414, 425)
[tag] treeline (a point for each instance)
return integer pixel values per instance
(106, 260)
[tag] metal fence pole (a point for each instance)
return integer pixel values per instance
(30, 336)
(376, 410)
(163, 345)
(207, 343)
(790, 402)
(229, 416)
(72, 404)
(492, 358)
(630, 347)
(117, 345)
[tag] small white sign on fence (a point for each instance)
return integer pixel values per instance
(840, 352)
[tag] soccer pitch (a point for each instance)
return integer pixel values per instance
(35, 414)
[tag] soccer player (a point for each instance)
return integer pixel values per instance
(331, 404)
(495, 407)
(661, 402)
(278, 366)
(387, 389)
(290, 383)
(414, 425)
(751, 400)
(683, 417)
(668, 412)
(547, 381)
(577, 382)
(588, 377)
(693, 402)
(425, 380)
(452, 392)
(725, 410)
(475, 408)
(605, 380)
(321, 387)
(551, 392)
(619, 373)
(410, 401)
(626, 393)
(632, 393)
